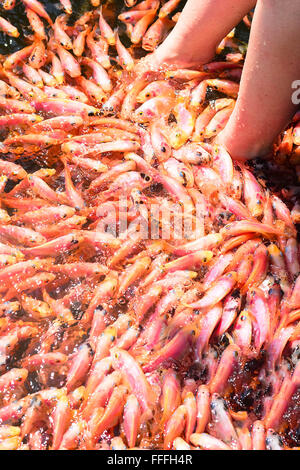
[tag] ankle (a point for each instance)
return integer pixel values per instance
(177, 58)
(240, 149)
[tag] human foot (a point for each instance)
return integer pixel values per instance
(239, 150)
(164, 58)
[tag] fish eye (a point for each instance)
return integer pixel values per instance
(147, 178)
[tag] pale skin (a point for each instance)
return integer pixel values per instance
(264, 106)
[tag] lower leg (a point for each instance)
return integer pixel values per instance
(264, 105)
(201, 27)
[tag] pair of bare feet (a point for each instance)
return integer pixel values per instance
(164, 58)
(264, 106)
(161, 60)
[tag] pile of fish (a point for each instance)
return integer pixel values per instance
(150, 289)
